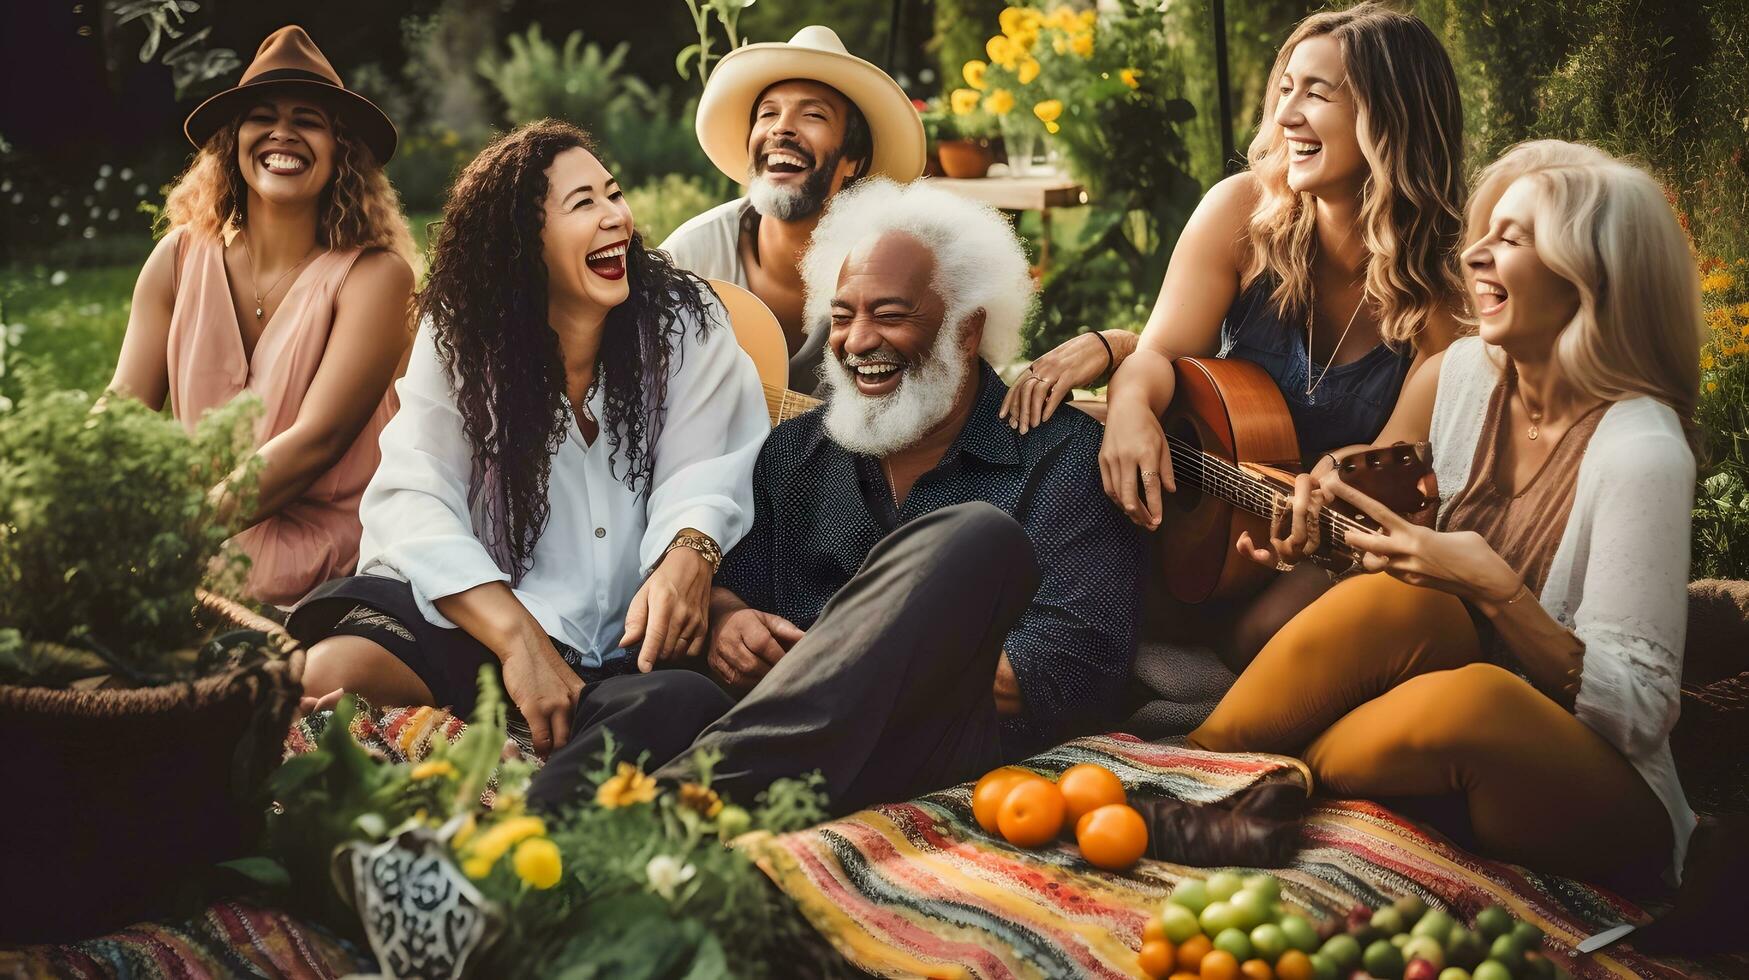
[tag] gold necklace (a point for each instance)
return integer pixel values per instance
(260, 307)
(1535, 414)
(1311, 320)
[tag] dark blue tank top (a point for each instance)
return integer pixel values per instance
(1352, 402)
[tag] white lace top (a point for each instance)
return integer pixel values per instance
(1619, 579)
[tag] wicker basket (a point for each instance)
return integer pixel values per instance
(115, 799)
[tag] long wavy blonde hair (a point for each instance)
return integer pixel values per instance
(359, 207)
(1606, 226)
(1410, 127)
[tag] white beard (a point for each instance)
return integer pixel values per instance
(780, 203)
(879, 426)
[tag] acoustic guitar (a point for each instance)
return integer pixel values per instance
(1234, 456)
(761, 336)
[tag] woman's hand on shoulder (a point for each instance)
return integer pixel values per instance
(1051, 380)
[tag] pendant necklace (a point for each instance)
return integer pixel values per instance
(1311, 319)
(260, 306)
(1535, 414)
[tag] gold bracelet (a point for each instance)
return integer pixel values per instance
(700, 542)
(1523, 590)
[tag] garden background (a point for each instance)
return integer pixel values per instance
(90, 133)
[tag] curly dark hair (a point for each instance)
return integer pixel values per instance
(485, 304)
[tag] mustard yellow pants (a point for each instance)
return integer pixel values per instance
(1383, 690)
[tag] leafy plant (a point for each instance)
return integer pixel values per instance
(1122, 131)
(641, 136)
(1721, 502)
(662, 205)
(728, 15)
(106, 529)
(191, 62)
(635, 880)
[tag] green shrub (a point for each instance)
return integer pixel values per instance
(66, 326)
(660, 206)
(106, 529)
(1721, 502)
(1125, 140)
(641, 133)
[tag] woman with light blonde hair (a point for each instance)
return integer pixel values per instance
(1517, 664)
(286, 273)
(1331, 263)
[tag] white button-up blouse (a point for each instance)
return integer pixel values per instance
(602, 539)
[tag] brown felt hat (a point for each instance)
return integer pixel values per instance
(289, 60)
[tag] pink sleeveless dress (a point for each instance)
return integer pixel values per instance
(315, 537)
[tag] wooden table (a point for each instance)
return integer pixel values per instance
(1039, 194)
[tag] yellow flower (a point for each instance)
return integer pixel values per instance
(1082, 45)
(433, 767)
(964, 101)
(1024, 41)
(1028, 71)
(974, 74)
(1089, 18)
(1706, 361)
(1002, 51)
(1717, 282)
(493, 842)
(1047, 112)
(705, 802)
(625, 787)
(1063, 18)
(459, 839)
(1130, 77)
(999, 103)
(1013, 20)
(1712, 386)
(1060, 45)
(477, 867)
(537, 862)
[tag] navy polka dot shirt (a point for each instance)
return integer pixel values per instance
(819, 509)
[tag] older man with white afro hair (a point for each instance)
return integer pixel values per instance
(980, 281)
(925, 593)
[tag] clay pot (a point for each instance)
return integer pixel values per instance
(965, 158)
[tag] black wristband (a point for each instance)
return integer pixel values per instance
(1110, 358)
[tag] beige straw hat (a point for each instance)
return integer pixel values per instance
(725, 112)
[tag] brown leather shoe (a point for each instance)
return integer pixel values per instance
(1243, 832)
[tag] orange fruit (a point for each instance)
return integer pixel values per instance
(1219, 965)
(1294, 965)
(1184, 975)
(1112, 837)
(988, 793)
(1156, 958)
(1256, 970)
(1031, 813)
(1154, 930)
(1087, 787)
(1192, 950)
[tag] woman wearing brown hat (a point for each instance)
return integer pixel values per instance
(286, 274)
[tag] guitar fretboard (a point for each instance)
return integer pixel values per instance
(782, 404)
(1252, 493)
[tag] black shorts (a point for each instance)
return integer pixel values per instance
(448, 661)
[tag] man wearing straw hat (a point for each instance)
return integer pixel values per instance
(795, 123)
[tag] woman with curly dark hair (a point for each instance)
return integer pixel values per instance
(573, 453)
(285, 274)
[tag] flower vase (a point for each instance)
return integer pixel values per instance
(421, 914)
(1021, 139)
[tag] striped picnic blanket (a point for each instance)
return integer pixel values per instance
(918, 889)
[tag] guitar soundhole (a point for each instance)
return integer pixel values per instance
(1186, 464)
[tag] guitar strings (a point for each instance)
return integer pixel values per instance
(1215, 474)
